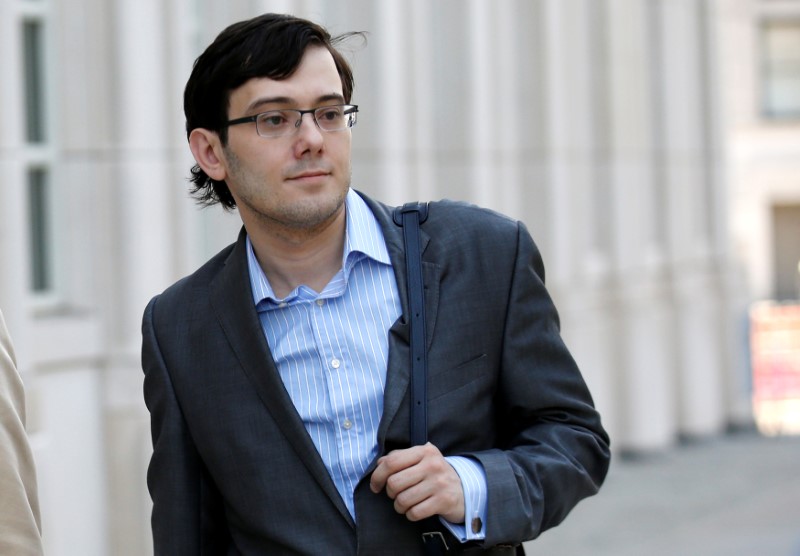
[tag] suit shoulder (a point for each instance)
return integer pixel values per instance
(470, 219)
(199, 279)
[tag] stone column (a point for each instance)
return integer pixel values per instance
(644, 333)
(14, 232)
(391, 40)
(423, 78)
(696, 301)
(733, 33)
(481, 130)
(143, 249)
(577, 109)
(557, 140)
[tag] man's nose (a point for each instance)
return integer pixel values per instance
(308, 132)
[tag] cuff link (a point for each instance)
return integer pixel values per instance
(477, 525)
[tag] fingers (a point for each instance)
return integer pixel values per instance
(425, 495)
(417, 511)
(421, 483)
(393, 463)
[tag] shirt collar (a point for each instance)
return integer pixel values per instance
(363, 238)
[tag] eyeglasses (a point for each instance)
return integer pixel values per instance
(277, 123)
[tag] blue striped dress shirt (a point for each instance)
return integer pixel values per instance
(331, 350)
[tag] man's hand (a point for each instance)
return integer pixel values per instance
(421, 483)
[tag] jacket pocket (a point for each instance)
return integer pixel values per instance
(457, 377)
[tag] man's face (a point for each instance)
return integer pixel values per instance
(295, 182)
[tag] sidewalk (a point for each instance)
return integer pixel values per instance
(737, 494)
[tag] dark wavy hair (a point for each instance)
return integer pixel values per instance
(270, 45)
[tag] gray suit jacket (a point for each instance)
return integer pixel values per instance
(233, 470)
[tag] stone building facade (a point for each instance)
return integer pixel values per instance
(596, 122)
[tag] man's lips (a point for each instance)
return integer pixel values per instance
(309, 174)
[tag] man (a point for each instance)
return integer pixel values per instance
(277, 374)
(20, 529)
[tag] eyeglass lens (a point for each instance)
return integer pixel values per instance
(282, 122)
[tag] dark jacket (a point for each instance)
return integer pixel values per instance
(234, 471)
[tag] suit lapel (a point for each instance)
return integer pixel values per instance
(231, 298)
(398, 371)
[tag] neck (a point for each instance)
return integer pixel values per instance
(310, 257)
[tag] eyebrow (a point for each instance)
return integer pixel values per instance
(258, 103)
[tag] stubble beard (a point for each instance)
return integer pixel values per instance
(295, 220)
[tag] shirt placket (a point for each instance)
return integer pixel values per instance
(334, 355)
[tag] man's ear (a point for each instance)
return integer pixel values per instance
(207, 150)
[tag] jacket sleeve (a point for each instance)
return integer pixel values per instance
(552, 450)
(188, 517)
(20, 531)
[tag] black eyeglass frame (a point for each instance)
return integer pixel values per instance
(347, 109)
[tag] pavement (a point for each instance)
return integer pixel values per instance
(735, 494)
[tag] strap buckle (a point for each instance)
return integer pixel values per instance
(420, 208)
(435, 544)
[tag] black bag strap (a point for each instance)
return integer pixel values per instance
(409, 217)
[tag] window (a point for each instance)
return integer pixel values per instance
(786, 254)
(38, 215)
(32, 51)
(38, 151)
(781, 69)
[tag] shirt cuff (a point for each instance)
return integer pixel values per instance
(473, 482)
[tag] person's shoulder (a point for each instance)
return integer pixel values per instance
(444, 210)
(468, 217)
(189, 285)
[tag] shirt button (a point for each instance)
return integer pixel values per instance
(335, 363)
(320, 302)
(347, 424)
